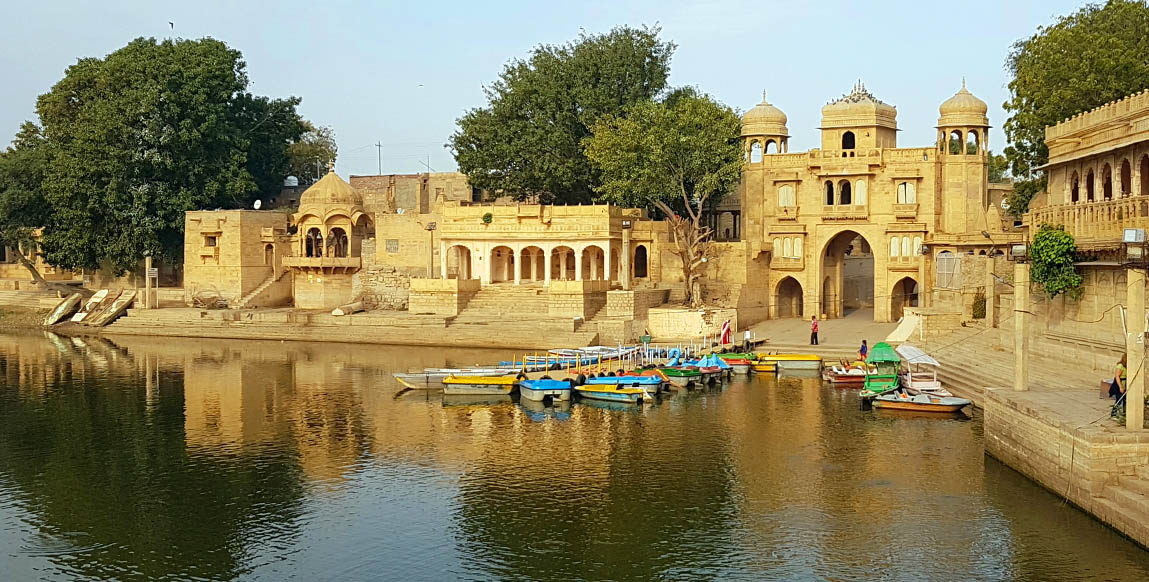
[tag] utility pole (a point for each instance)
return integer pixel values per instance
(379, 148)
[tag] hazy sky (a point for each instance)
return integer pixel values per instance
(401, 73)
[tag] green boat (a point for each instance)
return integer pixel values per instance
(886, 361)
(681, 377)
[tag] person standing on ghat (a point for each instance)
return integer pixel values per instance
(813, 330)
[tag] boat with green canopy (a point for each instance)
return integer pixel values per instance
(884, 363)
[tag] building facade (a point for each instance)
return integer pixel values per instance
(861, 222)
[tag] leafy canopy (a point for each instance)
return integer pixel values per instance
(1086, 59)
(1052, 254)
(152, 130)
(22, 206)
(317, 144)
(527, 141)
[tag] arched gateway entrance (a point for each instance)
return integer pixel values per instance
(847, 274)
(788, 298)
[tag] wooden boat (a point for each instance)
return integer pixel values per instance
(899, 400)
(613, 393)
(884, 363)
(116, 309)
(66, 307)
(791, 361)
(479, 385)
(90, 305)
(852, 374)
(432, 378)
(544, 389)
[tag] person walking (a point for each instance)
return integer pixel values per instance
(813, 330)
(863, 351)
(1117, 389)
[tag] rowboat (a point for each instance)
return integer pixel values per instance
(432, 378)
(66, 307)
(853, 374)
(479, 385)
(792, 361)
(884, 363)
(544, 389)
(111, 312)
(917, 378)
(612, 393)
(919, 402)
(90, 305)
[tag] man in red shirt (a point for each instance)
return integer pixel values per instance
(813, 330)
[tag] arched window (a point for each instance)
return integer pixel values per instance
(787, 249)
(860, 192)
(1145, 175)
(1126, 179)
(844, 192)
(907, 193)
(1089, 186)
(755, 152)
(848, 140)
(798, 248)
(1107, 182)
(894, 247)
(971, 143)
(956, 142)
(917, 245)
(640, 260)
(829, 193)
(314, 243)
(337, 243)
(786, 196)
(778, 247)
(269, 254)
(1074, 189)
(771, 146)
(906, 251)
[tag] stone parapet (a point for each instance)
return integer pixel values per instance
(576, 298)
(443, 297)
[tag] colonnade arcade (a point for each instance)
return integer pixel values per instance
(540, 263)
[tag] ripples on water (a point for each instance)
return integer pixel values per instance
(215, 460)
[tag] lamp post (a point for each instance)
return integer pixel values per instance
(431, 250)
(625, 274)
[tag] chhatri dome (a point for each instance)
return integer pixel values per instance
(764, 119)
(858, 108)
(331, 190)
(963, 109)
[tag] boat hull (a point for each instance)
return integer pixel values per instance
(763, 367)
(849, 379)
(916, 406)
(65, 309)
(478, 385)
(611, 394)
(541, 395)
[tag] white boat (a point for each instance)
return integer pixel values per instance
(432, 378)
(66, 307)
(920, 376)
(116, 309)
(90, 305)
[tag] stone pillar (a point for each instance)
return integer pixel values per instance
(624, 268)
(1135, 351)
(606, 257)
(578, 265)
(923, 294)
(990, 285)
(1020, 331)
(443, 261)
(547, 266)
(516, 263)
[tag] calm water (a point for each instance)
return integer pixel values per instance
(154, 459)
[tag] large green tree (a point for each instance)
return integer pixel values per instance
(311, 153)
(152, 130)
(22, 206)
(1091, 57)
(677, 156)
(527, 141)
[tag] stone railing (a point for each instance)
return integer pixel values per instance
(844, 212)
(1093, 222)
(910, 263)
(787, 263)
(346, 263)
(905, 210)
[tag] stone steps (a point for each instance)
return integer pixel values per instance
(1136, 484)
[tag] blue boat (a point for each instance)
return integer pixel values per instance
(615, 393)
(652, 382)
(540, 390)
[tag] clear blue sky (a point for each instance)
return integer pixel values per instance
(403, 72)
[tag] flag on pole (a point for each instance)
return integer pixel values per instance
(727, 333)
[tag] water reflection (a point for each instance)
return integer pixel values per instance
(175, 459)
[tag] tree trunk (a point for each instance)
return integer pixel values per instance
(30, 266)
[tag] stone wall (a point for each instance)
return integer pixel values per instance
(680, 323)
(380, 286)
(444, 297)
(634, 304)
(1076, 462)
(576, 298)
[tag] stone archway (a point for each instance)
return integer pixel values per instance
(789, 299)
(563, 264)
(531, 264)
(502, 264)
(593, 263)
(458, 262)
(903, 294)
(847, 274)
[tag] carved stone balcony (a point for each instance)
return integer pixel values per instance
(787, 263)
(324, 264)
(909, 211)
(845, 212)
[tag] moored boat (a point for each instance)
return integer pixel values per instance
(541, 390)
(90, 305)
(681, 377)
(66, 307)
(763, 366)
(479, 385)
(615, 393)
(114, 310)
(791, 361)
(883, 377)
(853, 374)
(899, 400)
(920, 375)
(652, 383)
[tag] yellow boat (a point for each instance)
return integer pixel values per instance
(479, 385)
(762, 366)
(792, 361)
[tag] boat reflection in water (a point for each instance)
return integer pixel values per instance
(537, 411)
(227, 460)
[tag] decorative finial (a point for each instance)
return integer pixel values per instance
(963, 83)
(331, 166)
(763, 95)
